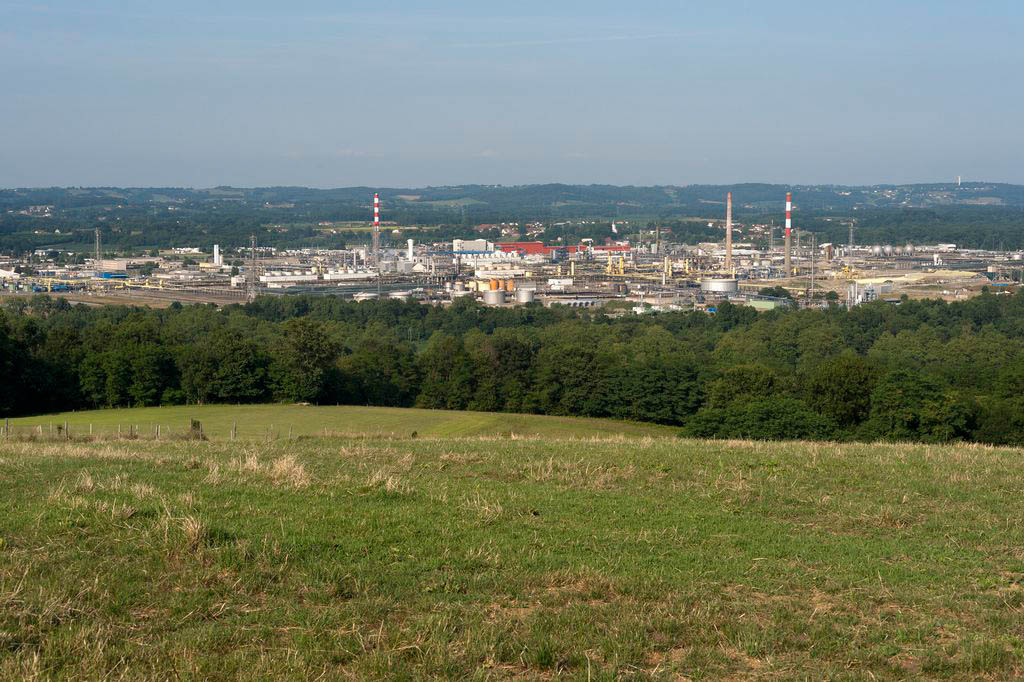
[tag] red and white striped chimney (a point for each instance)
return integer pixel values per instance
(376, 210)
(788, 255)
(789, 212)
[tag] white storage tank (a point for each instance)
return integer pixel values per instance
(525, 295)
(720, 286)
(364, 296)
(494, 297)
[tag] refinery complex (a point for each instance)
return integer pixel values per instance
(761, 265)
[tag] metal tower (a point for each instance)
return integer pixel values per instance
(728, 232)
(814, 254)
(250, 275)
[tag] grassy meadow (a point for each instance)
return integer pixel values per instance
(371, 557)
(263, 422)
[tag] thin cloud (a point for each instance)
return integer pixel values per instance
(268, 18)
(574, 41)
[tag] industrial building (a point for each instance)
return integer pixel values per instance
(657, 275)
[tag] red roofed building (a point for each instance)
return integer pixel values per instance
(617, 249)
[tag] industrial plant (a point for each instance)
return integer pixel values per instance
(640, 268)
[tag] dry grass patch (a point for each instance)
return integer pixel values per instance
(388, 482)
(143, 490)
(248, 464)
(462, 458)
(194, 531)
(289, 470)
(70, 450)
(286, 470)
(578, 473)
(85, 483)
(487, 509)
(180, 534)
(213, 475)
(565, 587)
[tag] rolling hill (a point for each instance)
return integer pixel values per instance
(503, 558)
(264, 422)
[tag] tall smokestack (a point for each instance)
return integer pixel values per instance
(728, 231)
(789, 228)
(376, 229)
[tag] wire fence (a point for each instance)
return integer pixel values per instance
(192, 430)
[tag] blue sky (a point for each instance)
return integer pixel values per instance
(395, 93)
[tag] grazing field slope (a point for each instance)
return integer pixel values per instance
(508, 558)
(272, 421)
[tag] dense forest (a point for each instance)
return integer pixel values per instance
(975, 215)
(920, 370)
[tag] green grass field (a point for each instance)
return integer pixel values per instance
(271, 421)
(509, 558)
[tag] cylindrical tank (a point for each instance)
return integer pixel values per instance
(719, 286)
(459, 293)
(510, 285)
(525, 295)
(495, 284)
(494, 297)
(400, 295)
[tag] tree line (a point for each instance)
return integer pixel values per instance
(921, 370)
(133, 219)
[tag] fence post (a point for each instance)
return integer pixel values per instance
(67, 435)
(234, 429)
